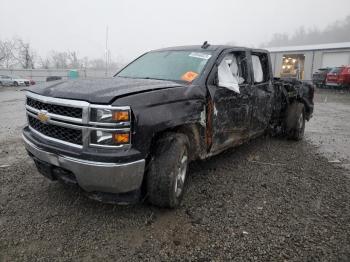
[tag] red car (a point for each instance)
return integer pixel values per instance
(339, 77)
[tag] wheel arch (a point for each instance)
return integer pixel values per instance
(194, 132)
(308, 108)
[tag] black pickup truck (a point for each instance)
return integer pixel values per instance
(133, 136)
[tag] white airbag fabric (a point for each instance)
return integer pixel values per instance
(226, 78)
(257, 68)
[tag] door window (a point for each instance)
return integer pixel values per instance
(261, 67)
(257, 69)
(231, 72)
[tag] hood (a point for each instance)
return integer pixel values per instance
(100, 91)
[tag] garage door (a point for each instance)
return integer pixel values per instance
(335, 59)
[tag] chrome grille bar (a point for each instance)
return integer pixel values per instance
(82, 124)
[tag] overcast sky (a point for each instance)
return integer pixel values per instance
(138, 26)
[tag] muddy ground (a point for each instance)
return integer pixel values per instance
(270, 199)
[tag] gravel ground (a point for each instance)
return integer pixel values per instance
(330, 129)
(270, 199)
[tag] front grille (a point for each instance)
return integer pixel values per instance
(58, 132)
(56, 109)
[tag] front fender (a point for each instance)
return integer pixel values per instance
(157, 111)
(157, 119)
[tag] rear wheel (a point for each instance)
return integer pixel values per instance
(0, 83)
(167, 172)
(295, 121)
(15, 83)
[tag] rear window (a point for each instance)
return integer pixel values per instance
(336, 70)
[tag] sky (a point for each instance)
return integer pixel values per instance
(135, 27)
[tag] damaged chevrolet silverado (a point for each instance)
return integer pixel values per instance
(133, 136)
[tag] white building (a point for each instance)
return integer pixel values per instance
(302, 61)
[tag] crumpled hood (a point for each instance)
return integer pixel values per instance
(99, 91)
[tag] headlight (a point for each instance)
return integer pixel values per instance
(109, 115)
(112, 126)
(109, 138)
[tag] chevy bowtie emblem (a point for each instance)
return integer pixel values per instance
(43, 116)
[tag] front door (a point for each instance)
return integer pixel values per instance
(229, 108)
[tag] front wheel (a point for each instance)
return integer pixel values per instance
(295, 121)
(167, 172)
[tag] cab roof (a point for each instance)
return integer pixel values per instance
(217, 48)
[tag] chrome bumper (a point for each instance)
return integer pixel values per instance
(95, 176)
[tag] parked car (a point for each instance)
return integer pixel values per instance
(53, 78)
(13, 81)
(339, 77)
(133, 136)
(320, 76)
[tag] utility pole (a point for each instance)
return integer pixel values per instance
(106, 52)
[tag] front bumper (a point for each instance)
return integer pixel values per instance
(94, 176)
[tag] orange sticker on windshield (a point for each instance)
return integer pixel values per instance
(189, 76)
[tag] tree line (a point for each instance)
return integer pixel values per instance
(338, 31)
(16, 53)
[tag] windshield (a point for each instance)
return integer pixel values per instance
(168, 65)
(336, 70)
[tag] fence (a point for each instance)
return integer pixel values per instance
(39, 75)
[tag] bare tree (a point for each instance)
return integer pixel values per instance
(65, 60)
(16, 53)
(73, 61)
(2, 51)
(23, 54)
(7, 51)
(44, 63)
(59, 59)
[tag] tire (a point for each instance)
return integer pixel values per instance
(1, 84)
(15, 84)
(167, 172)
(295, 121)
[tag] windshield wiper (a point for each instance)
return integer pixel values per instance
(153, 78)
(143, 78)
